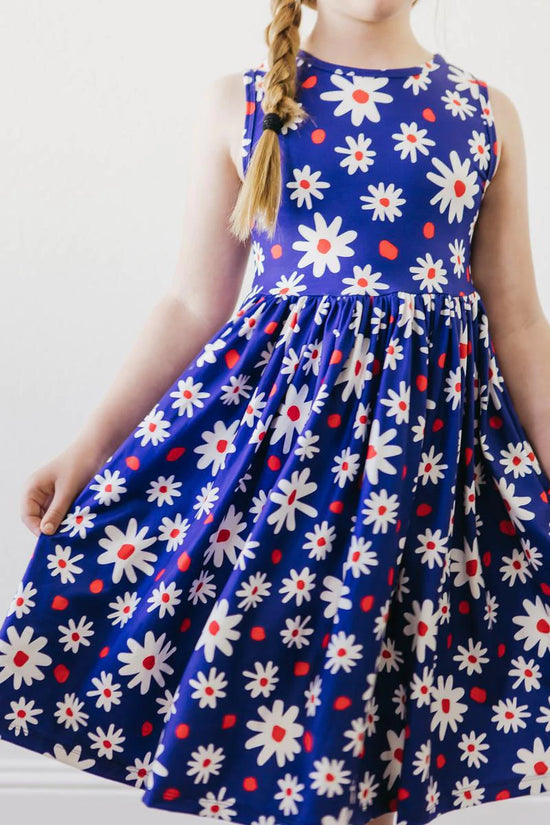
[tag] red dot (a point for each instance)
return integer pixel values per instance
(301, 668)
(182, 731)
(501, 650)
(175, 453)
(170, 794)
(388, 250)
(96, 586)
(132, 462)
(503, 795)
(422, 382)
(250, 783)
(318, 135)
(495, 421)
(423, 510)
(428, 230)
(367, 603)
(274, 462)
(250, 107)
(229, 720)
(231, 357)
(146, 729)
(507, 528)
(440, 761)
(428, 114)
(310, 81)
(103, 652)
(341, 703)
(276, 556)
(464, 607)
(336, 507)
(334, 420)
(257, 633)
(61, 673)
(478, 694)
(184, 560)
(59, 603)
(185, 625)
(308, 741)
(276, 250)
(336, 357)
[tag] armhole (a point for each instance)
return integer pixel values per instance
(251, 104)
(490, 129)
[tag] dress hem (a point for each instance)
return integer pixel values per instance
(36, 740)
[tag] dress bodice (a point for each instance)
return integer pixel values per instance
(382, 183)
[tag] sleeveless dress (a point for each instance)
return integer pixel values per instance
(313, 584)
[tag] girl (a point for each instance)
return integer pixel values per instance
(307, 579)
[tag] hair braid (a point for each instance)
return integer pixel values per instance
(260, 194)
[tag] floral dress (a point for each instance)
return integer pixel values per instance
(313, 584)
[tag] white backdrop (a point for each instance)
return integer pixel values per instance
(97, 98)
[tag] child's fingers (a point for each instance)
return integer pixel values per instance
(56, 511)
(34, 501)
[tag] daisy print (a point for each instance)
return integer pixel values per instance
(306, 186)
(458, 255)
(384, 201)
(430, 274)
(459, 105)
(146, 662)
(358, 96)
(163, 490)
(153, 429)
(258, 257)
(63, 563)
(457, 186)
(420, 81)
(486, 110)
(323, 246)
(188, 397)
(78, 521)
(109, 486)
(479, 149)
(464, 81)
(127, 551)
(364, 282)
(22, 601)
(331, 518)
(411, 140)
(358, 156)
(22, 714)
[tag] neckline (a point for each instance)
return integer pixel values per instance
(396, 71)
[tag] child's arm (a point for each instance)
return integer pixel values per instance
(199, 300)
(503, 274)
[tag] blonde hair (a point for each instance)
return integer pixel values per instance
(259, 197)
(260, 194)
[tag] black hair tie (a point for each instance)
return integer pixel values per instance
(273, 121)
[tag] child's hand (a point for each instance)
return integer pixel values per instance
(51, 489)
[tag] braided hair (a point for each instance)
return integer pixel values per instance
(259, 197)
(260, 194)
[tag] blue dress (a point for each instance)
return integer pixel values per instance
(313, 584)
